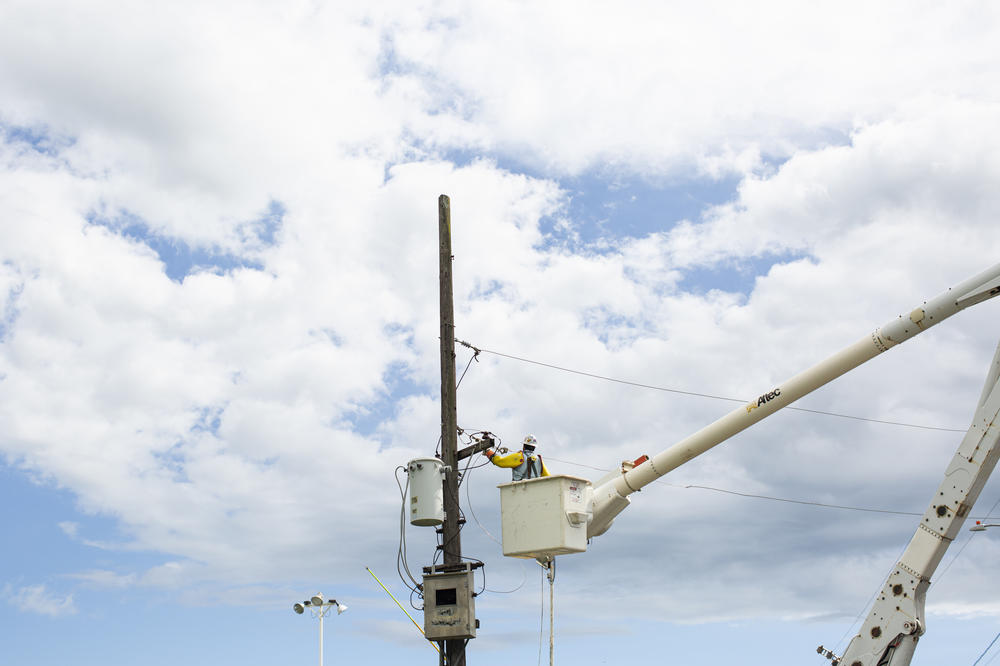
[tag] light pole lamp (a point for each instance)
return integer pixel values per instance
(318, 608)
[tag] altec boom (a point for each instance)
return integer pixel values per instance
(611, 496)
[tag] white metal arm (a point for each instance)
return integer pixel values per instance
(889, 634)
(611, 497)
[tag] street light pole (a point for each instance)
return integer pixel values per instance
(321, 614)
(319, 608)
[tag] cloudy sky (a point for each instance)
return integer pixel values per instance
(219, 317)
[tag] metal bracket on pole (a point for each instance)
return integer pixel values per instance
(485, 443)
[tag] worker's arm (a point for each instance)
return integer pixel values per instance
(508, 460)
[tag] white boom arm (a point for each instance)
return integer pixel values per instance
(610, 495)
(889, 634)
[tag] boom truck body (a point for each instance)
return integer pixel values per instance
(890, 632)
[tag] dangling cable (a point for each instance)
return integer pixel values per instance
(401, 563)
(541, 618)
(552, 613)
(475, 357)
(549, 569)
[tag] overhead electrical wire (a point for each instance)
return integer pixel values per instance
(754, 495)
(804, 502)
(479, 350)
(987, 650)
(824, 505)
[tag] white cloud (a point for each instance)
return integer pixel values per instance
(102, 578)
(921, 170)
(216, 419)
(39, 599)
(656, 86)
(69, 528)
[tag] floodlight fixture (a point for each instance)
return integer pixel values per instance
(319, 608)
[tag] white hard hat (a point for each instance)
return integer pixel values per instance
(529, 440)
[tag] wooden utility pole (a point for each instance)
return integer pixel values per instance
(451, 537)
(452, 650)
(449, 407)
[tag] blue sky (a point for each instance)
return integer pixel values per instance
(218, 287)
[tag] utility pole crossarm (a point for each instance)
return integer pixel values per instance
(475, 448)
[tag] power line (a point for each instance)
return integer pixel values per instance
(987, 649)
(477, 351)
(592, 375)
(992, 659)
(804, 502)
(770, 498)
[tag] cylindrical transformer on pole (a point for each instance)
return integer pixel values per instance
(426, 497)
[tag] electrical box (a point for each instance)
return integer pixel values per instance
(546, 516)
(426, 491)
(449, 606)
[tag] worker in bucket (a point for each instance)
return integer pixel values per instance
(524, 464)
